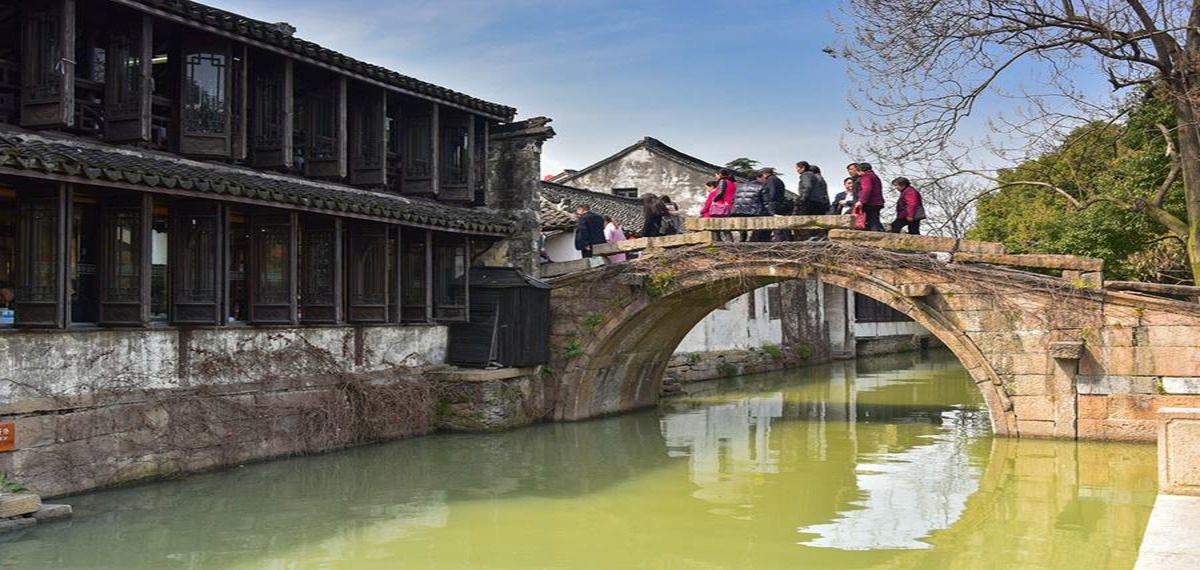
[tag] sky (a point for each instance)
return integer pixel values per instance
(717, 79)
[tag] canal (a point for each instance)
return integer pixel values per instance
(885, 463)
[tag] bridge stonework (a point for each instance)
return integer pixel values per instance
(1052, 358)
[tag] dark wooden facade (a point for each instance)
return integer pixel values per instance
(133, 73)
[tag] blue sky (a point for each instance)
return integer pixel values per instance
(714, 78)
(717, 79)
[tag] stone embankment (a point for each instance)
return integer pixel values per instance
(1172, 539)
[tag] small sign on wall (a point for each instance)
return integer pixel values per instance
(8, 437)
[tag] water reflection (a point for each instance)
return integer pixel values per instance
(886, 464)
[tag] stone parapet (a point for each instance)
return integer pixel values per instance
(1179, 451)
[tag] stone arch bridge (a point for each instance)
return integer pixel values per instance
(1053, 357)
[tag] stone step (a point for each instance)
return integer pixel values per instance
(639, 244)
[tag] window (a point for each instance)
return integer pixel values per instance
(450, 278)
(774, 303)
(205, 101)
(414, 258)
(124, 247)
(454, 159)
(160, 241)
(84, 258)
(270, 125)
(626, 192)
(369, 267)
(8, 254)
(418, 163)
(38, 301)
(47, 65)
(127, 109)
(237, 308)
(324, 139)
(196, 240)
(868, 310)
(320, 271)
(367, 152)
(272, 253)
(752, 305)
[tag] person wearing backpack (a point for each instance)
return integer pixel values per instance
(910, 208)
(813, 191)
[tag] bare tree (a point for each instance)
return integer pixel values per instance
(946, 54)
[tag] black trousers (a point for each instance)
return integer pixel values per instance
(586, 252)
(873, 222)
(914, 227)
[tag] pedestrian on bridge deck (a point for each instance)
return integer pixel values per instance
(910, 208)
(590, 230)
(870, 194)
(613, 234)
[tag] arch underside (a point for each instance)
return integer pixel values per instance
(620, 367)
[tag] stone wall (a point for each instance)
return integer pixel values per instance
(103, 407)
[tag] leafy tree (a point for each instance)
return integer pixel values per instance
(948, 54)
(1113, 165)
(743, 166)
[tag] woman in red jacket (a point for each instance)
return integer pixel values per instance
(910, 209)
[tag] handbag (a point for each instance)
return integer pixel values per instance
(719, 208)
(919, 213)
(860, 217)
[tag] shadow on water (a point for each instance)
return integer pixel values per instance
(878, 463)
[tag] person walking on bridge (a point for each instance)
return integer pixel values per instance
(870, 194)
(590, 230)
(910, 208)
(813, 191)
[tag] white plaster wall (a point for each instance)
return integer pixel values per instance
(653, 174)
(561, 247)
(68, 363)
(730, 328)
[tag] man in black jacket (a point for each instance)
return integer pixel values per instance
(590, 230)
(775, 201)
(814, 193)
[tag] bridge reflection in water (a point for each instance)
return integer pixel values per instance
(887, 463)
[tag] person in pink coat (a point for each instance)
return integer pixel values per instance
(612, 234)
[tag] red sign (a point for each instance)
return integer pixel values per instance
(8, 437)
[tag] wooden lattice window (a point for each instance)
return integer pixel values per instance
(450, 265)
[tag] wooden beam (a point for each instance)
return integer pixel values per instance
(1153, 288)
(1039, 261)
(663, 242)
(907, 242)
(730, 223)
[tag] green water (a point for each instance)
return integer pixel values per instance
(875, 464)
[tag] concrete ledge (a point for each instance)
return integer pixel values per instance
(564, 267)
(905, 242)
(1171, 540)
(917, 289)
(730, 223)
(1039, 261)
(639, 244)
(1179, 455)
(469, 375)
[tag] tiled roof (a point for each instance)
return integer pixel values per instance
(196, 14)
(628, 212)
(28, 154)
(653, 145)
(555, 216)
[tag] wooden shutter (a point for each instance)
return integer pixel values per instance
(125, 262)
(198, 264)
(326, 145)
(416, 257)
(457, 144)
(368, 266)
(418, 127)
(205, 98)
(321, 270)
(272, 279)
(48, 64)
(271, 127)
(40, 294)
(368, 156)
(128, 81)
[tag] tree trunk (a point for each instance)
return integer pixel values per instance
(1189, 158)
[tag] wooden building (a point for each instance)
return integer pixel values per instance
(162, 161)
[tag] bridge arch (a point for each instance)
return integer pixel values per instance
(620, 366)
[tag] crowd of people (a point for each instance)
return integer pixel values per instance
(766, 195)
